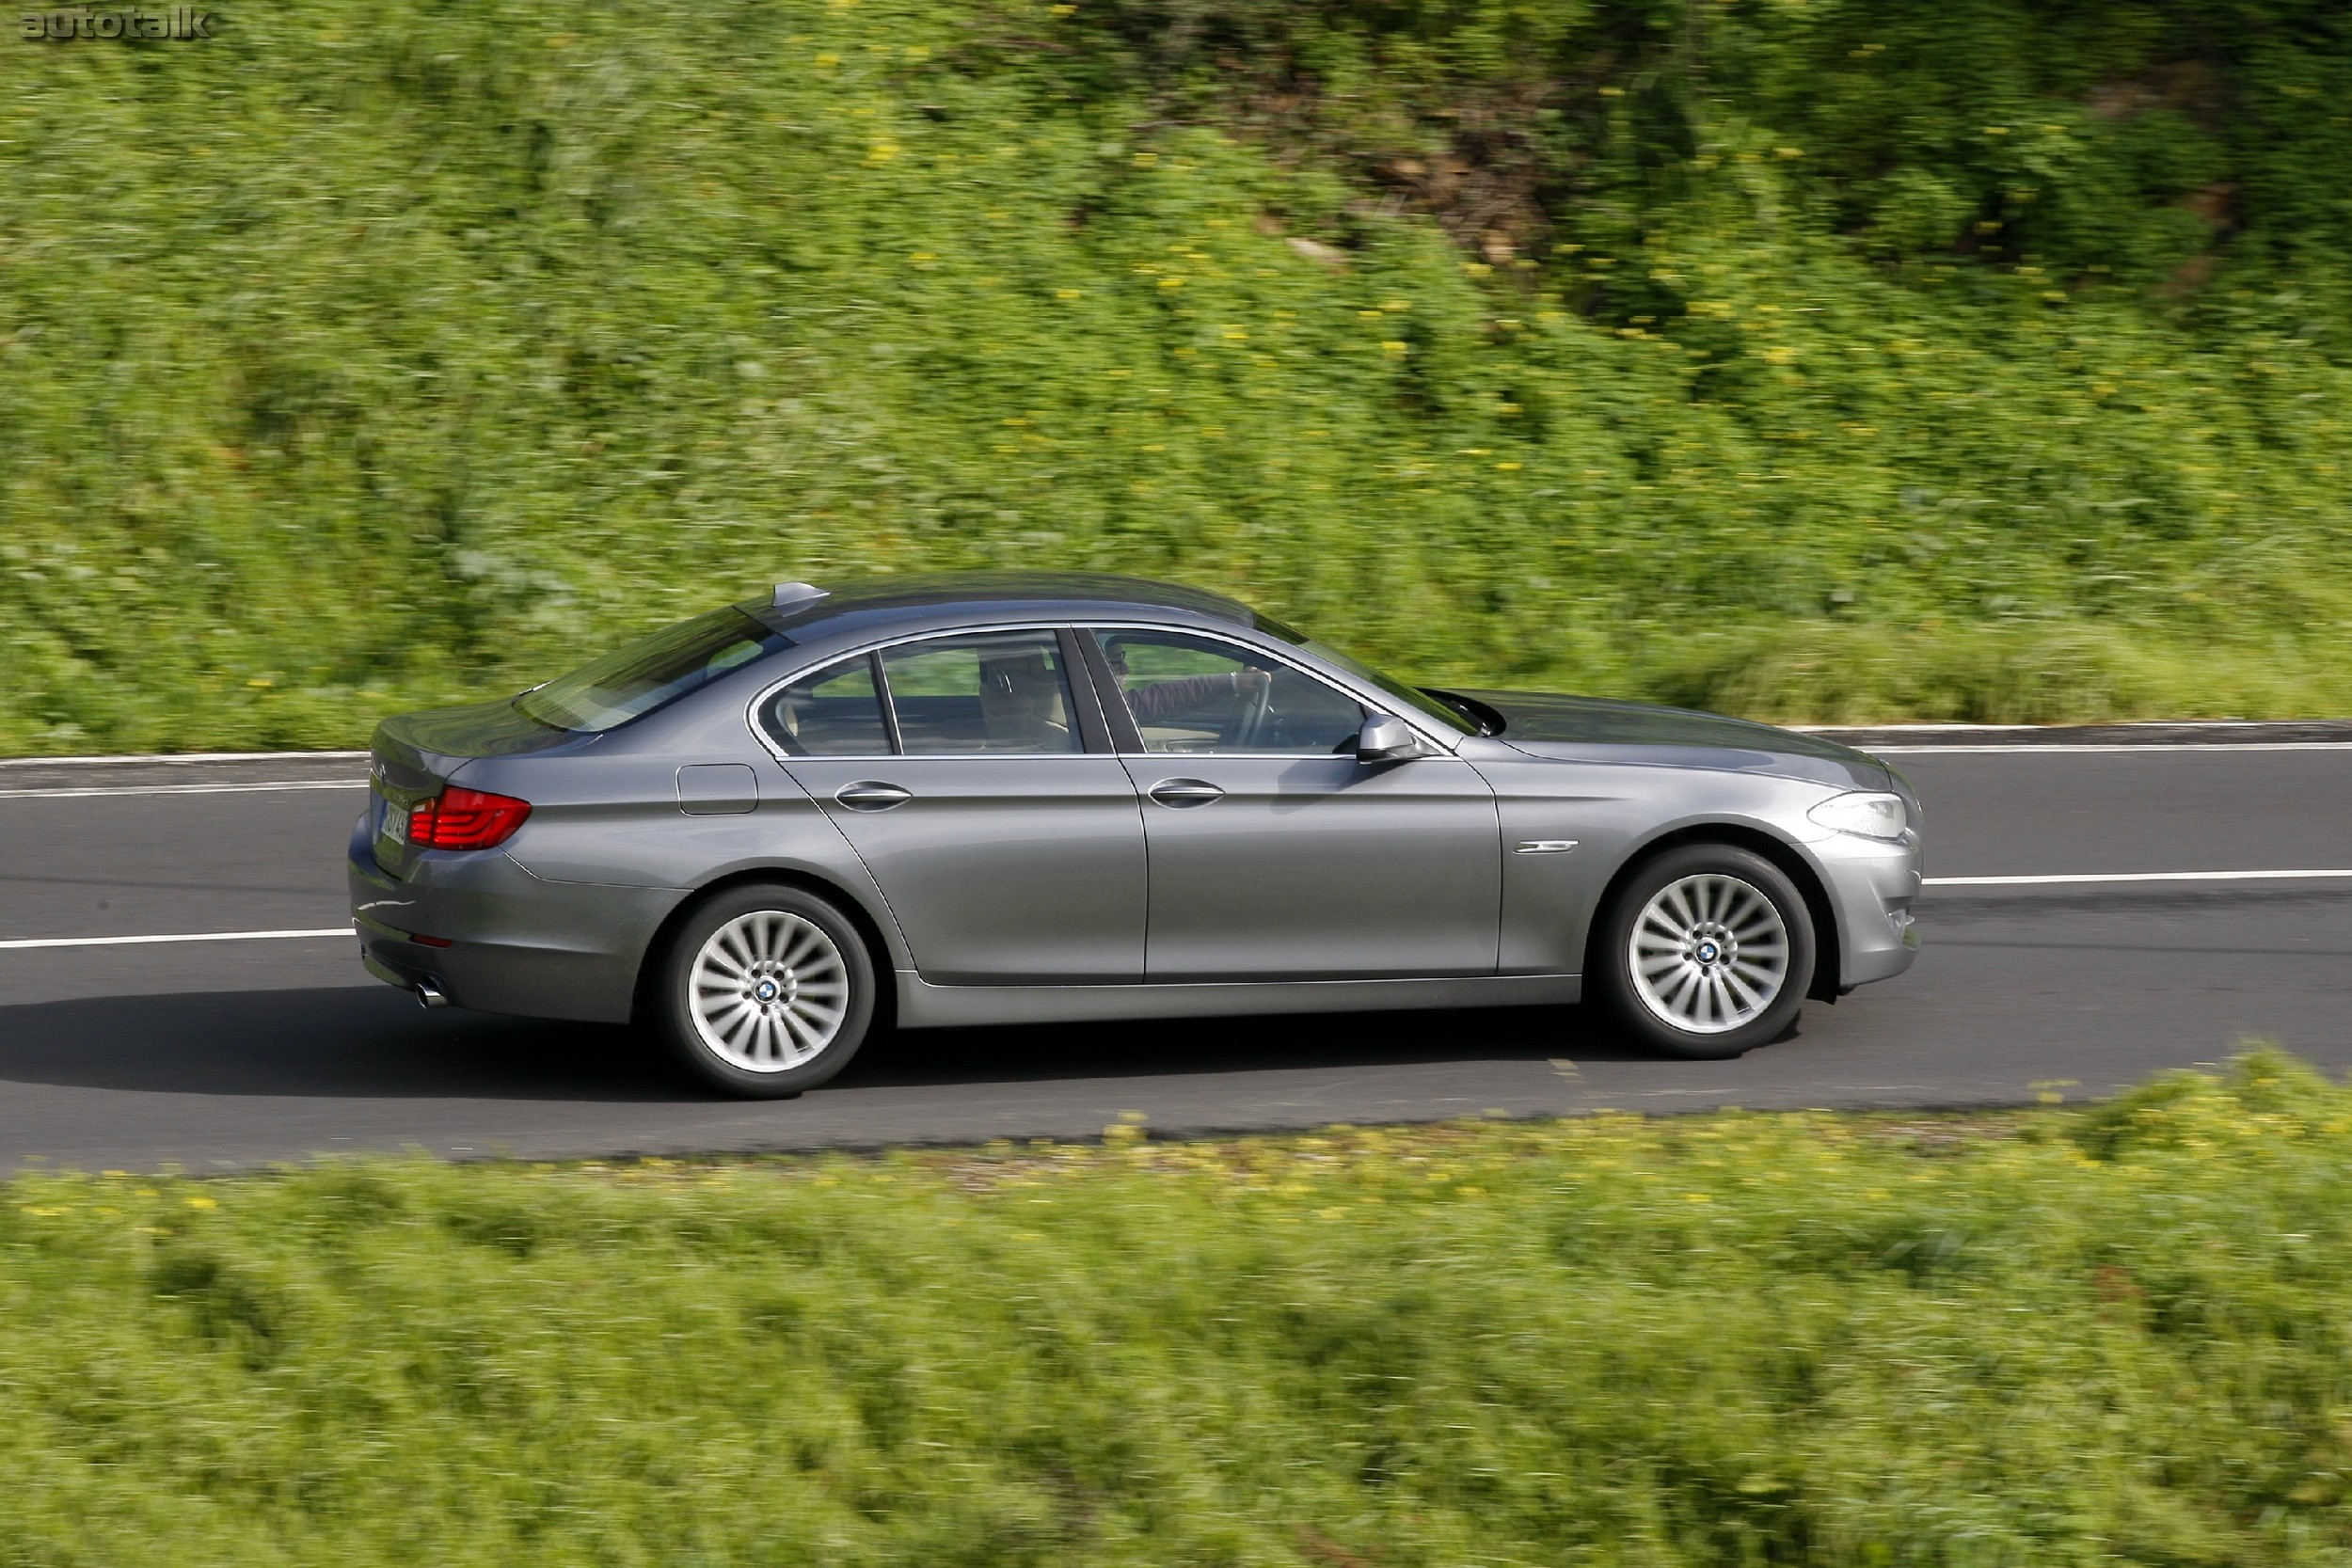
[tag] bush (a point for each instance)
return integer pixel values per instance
(1851, 359)
(2046, 1336)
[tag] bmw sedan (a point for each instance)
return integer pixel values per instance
(997, 798)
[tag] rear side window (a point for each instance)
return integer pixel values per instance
(632, 682)
(836, 712)
(1001, 692)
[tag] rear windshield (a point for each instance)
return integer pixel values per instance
(632, 682)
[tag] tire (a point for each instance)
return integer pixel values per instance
(775, 1046)
(1725, 954)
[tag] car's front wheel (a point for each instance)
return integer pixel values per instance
(1706, 951)
(766, 991)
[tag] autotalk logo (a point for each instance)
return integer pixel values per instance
(172, 22)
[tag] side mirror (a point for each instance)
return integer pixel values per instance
(1385, 737)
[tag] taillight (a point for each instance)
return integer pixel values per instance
(461, 818)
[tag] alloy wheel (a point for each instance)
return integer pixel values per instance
(1709, 953)
(768, 991)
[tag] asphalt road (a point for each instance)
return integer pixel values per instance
(228, 1055)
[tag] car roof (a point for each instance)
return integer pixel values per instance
(809, 612)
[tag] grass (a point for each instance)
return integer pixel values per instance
(1851, 360)
(2054, 1337)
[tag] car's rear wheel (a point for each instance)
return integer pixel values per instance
(1706, 951)
(767, 991)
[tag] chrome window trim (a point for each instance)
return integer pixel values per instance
(1375, 699)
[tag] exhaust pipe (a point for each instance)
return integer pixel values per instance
(431, 995)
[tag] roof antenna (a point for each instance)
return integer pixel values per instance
(790, 594)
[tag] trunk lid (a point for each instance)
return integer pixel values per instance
(414, 755)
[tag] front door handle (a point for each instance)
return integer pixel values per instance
(1185, 792)
(872, 795)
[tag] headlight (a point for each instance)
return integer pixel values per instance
(1872, 815)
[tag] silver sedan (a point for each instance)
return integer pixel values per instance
(998, 798)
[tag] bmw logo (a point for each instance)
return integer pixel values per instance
(1709, 952)
(765, 990)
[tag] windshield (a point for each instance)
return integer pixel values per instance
(1418, 701)
(633, 681)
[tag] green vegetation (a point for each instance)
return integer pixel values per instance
(1813, 358)
(2055, 1337)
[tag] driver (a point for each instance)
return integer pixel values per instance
(1156, 700)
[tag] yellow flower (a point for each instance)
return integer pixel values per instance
(1393, 346)
(200, 1201)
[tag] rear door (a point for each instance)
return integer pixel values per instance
(1275, 855)
(976, 783)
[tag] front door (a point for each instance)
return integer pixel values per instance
(1275, 855)
(1009, 854)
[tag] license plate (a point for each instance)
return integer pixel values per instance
(395, 829)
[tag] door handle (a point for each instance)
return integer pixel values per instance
(872, 795)
(1185, 792)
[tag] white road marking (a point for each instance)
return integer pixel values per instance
(2071, 877)
(189, 936)
(258, 788)
(2150, 748)
(2141, 725)
(183, 759)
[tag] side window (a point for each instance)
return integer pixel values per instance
(997, 692)
(835, 712)
(1200, 694)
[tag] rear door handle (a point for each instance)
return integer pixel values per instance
(1185, 792)
(872, 795)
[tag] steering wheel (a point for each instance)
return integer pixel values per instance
(1250, 727)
